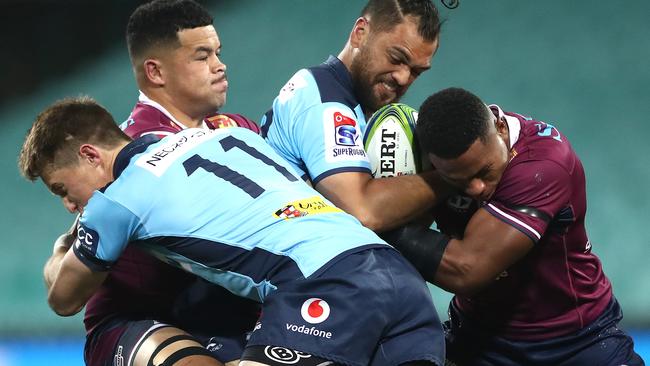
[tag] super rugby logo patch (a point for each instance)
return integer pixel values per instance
(341, 136)
(345, 130)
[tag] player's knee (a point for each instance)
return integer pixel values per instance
(172, 347)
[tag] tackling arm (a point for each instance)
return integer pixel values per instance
(61, 246)
(489, 246)
(462, 266)
(386, 203)
(73, 285)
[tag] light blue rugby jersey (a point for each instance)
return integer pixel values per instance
(316, 123)
(221, 204)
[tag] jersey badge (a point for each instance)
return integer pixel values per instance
(87, 239)
(289, 89)
(342, 134)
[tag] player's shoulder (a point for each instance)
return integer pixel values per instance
(226, 120)
(145, 119)
(301, 89)
(334, 82)
(536, 142)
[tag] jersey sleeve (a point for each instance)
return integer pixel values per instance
(330, 141)
(104, 230)
(530, 195)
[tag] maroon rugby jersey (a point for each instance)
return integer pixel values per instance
(559, 286)
(139, 285)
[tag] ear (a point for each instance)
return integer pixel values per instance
(153, 71)
(90, 154)
(360, 32)
(501, 126)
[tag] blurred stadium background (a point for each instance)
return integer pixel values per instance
(581, 65)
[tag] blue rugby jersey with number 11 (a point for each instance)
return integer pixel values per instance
(289, 231)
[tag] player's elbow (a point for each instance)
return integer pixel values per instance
(371, 221)
(62, 307)
(465, 278)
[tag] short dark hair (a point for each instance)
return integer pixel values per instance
(157, 23)
(59, 131)
(450, 121)
(386, 14)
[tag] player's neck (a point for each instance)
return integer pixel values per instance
(346, 56)
(181, 115)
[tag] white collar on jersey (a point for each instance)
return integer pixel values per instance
(514, 126)
(144, 99)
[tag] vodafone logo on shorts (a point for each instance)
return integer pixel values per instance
(315, 310)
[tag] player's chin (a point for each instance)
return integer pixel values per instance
(383, 98)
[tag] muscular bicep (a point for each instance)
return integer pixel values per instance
(73, 285)
(347, 191)
(380, 204)
(489, 247)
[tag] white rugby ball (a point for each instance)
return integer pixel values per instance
(390, 141)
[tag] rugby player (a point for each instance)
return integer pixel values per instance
(175, 50)
(528, 288)
(317, 119)
(330, 296)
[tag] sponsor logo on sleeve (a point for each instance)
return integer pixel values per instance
(87, 239)
(345, 130)
(342, 134)
(309, 206)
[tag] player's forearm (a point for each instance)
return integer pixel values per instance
(461, 272)
(439, 259)
(73, 285)
(392, 202)
(53, 265)
(61, 246)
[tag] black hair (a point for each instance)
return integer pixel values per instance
(386, 14)
(450, 121)
(157, 23)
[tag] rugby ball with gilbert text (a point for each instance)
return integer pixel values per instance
(390, 141)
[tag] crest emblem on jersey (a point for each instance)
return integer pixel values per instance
(345, 130)
(289, 89)
(315, 310)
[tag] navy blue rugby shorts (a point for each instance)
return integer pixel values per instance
(370, 307)
(600, 343)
